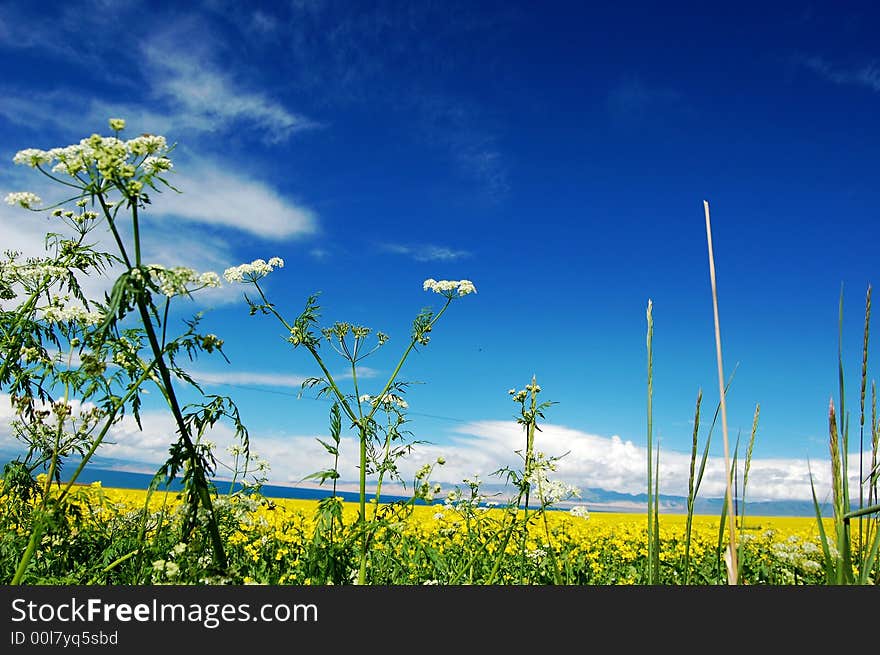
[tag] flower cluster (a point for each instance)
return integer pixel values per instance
(254, 271)
(387, 400)
(424, 489)
(33, 271)
(72, 314)
(580, 511)
(181, 280)
(522, 394)
(449, 288)
(128, 165)
(24, 199)
(553, 491)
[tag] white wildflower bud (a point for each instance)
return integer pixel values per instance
(117, 124)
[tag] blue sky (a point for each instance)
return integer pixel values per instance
(556, 154)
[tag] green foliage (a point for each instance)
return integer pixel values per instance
(75, 365)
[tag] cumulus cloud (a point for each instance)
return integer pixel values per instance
(476, 449)
(611, 463)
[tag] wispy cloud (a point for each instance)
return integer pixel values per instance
(867, 75)
(212, 195)
(460, 127)
(274, 380)
(201, 97)
(180, 69)
(426, 252)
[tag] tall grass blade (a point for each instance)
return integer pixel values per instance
(748, 464)
(656, 527)
(651, 577)
(830, 566)
(844, 415)
(838, 486)
(734, 566)
(693, 485)
(864, 380)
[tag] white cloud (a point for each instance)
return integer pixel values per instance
(276, 380)
(164, 242)
(614, 464)
(212, 196)
(175, 230)
(866, 76)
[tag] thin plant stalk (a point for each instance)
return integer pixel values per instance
(652, 574)
(838, 486)
(732, 579)
(747, 466)
(693, 485)
(862, 415)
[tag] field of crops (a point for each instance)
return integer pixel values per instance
(113, 536)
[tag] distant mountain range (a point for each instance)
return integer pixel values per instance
(596, 500)
(611, 501)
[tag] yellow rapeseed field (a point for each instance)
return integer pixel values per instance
(281, 541)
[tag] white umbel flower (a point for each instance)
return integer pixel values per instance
(24, 199)
(449, 288)
(254, 271)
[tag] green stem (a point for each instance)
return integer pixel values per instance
(62, 413)
(362, 571)
(136, 230)
(201, 483)
(36, 534)
(112, 225)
